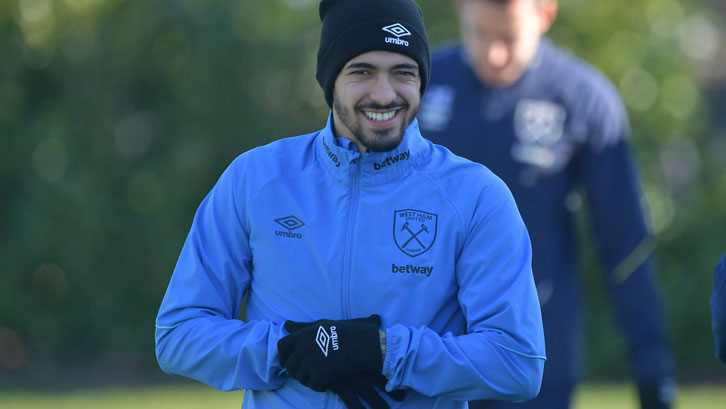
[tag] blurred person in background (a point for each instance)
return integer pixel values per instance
(550, 125)
(364, 218)
(718, 309)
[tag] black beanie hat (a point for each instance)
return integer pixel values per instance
(354, 27)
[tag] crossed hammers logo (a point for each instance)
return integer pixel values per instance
(414, 236)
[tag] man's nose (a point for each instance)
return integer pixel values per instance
(497, 54)
(383, 92)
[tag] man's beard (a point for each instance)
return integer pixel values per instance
(375, 140)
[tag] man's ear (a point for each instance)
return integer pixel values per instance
(547, 13)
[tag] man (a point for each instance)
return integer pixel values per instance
(378, 267)
(550, 126)
(718, 309)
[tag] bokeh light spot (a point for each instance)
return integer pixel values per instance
(79, 39)
(279, 91)
(680, 96)
(82, 6)
(299, 4)
(145, 193)
(50, 160)
(639, 89)
(573, 201)
(662, 209)
(50, 284)
(37, 59)
(12, 99)
(38, 24)
(171, 51)
(35, 11)
(624, 49)
(663, 15)
(698, 38)
(133, 135)
(12, 351)
(680, 163)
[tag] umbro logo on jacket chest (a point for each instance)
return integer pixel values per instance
(290, 223)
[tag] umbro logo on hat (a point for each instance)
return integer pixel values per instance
(397, 30)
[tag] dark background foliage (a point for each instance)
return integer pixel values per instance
(116, 118)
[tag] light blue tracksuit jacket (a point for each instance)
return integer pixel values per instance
(310, 228)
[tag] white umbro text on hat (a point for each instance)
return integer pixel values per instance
(399, 31)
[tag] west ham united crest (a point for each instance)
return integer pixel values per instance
(539, 122)
(414, 231)
(538, 126)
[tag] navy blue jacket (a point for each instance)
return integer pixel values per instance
(718, 309)
(560, 130)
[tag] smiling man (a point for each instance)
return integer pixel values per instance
(377, 266)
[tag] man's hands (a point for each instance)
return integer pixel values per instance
(658, 395)
(318, 354)
(343, 356)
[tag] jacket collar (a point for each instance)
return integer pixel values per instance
(340, 155)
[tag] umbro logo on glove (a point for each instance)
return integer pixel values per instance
(349, 347)
(323, 339)
(342, 356)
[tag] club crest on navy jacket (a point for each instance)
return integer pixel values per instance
(310, 228)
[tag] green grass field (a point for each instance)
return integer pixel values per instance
(191, 396)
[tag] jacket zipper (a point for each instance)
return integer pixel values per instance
(348, 257)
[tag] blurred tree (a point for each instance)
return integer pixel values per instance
(116, 118)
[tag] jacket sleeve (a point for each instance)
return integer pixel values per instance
(611, 184)
(198, 334)
(501, 353)
(718, 309)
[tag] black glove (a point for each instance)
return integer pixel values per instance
(657, 395)
(351, 389)
(320, 353)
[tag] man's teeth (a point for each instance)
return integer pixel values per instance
(380, 116)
